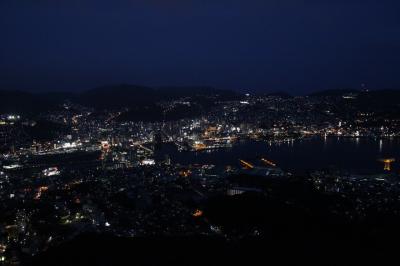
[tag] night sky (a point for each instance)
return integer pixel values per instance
(291, 45)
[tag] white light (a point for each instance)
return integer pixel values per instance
(148, 162)
(12, 166)
(52, 171)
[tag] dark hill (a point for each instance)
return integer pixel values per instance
(133, 96)
(30, 103)
(335, 92)
(108, 97)
(118, 96)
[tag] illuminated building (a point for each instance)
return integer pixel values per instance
(387, 163)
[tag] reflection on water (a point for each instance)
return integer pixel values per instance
(359, 154)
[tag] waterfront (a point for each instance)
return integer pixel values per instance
(353, 154)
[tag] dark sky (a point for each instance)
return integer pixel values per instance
(293, 45)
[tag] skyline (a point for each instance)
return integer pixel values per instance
(199, 132)
(291, 46)
(131, 88)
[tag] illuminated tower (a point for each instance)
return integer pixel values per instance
(387, 163)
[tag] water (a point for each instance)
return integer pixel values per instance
(353, 154)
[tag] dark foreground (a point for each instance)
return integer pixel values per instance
(290, 250)
(285, 235)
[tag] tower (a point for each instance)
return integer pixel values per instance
(387, 163)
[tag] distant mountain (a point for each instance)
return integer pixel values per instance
(384, 101)
(118, 96)
(141, 101)
(281, 94)
(193, 91)
(336, 92)
(21, 102)
(133, 96)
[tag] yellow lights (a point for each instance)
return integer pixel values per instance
(40, 191)
(246, 164)
(198, 213)
(200, 146)
(185, 173)
(387, 163)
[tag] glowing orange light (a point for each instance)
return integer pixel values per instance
(387, 163)
(246, 164)
(198, 213)
(185, 173)
(40, 191)
(200, 146)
